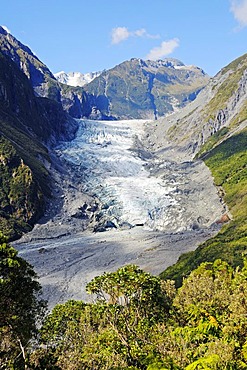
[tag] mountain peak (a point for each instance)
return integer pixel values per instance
(3, 30)
(167, 62)
(139, 88)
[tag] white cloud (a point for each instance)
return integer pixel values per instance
(166, 48)
(6, 29)
(120, 34)
(239, 10)
(143, 33)
(140, 33)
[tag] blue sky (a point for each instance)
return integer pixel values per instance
(92, 35)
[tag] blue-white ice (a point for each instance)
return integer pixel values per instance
(103, 157)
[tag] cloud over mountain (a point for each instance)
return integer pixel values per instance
(120, 34)
(165, 48)
(239, 10)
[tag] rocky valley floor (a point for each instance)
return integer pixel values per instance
(117, 201)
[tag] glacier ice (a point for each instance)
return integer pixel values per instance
(105, 159)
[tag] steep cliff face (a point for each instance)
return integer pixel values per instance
(27, 123)
(219, 111)
(41, 117)
(34, 69)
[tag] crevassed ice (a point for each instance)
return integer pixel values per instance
(113, 172)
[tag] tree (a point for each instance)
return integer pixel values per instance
(136, 301)
(21, 309)
(112, 333)
(139, 322)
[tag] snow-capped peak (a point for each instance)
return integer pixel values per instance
(76, 78)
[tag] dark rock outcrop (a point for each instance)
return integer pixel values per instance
(27, 125)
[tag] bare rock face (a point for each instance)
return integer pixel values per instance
(219, 109)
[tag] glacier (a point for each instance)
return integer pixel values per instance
(134, 186)
(109, 166)
(119, 198)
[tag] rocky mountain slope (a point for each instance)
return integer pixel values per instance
(146, 89)
(27, 125)
(219, 111)
(134, 89)
(36, 71)
(214, 128)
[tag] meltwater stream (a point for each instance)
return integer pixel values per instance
(152, 207)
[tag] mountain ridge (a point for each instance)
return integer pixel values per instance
(146, 89)
(155, 96)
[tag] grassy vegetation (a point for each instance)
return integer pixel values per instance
(212, 141)
(227, 88)
(228, 163)
(235, 64)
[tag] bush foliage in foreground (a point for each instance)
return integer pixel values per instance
(141, 322)
(136, 321)
(20, 307)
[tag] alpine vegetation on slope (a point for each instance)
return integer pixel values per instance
(221, 140)
(146, 89)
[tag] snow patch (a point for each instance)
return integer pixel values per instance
(76, 78)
